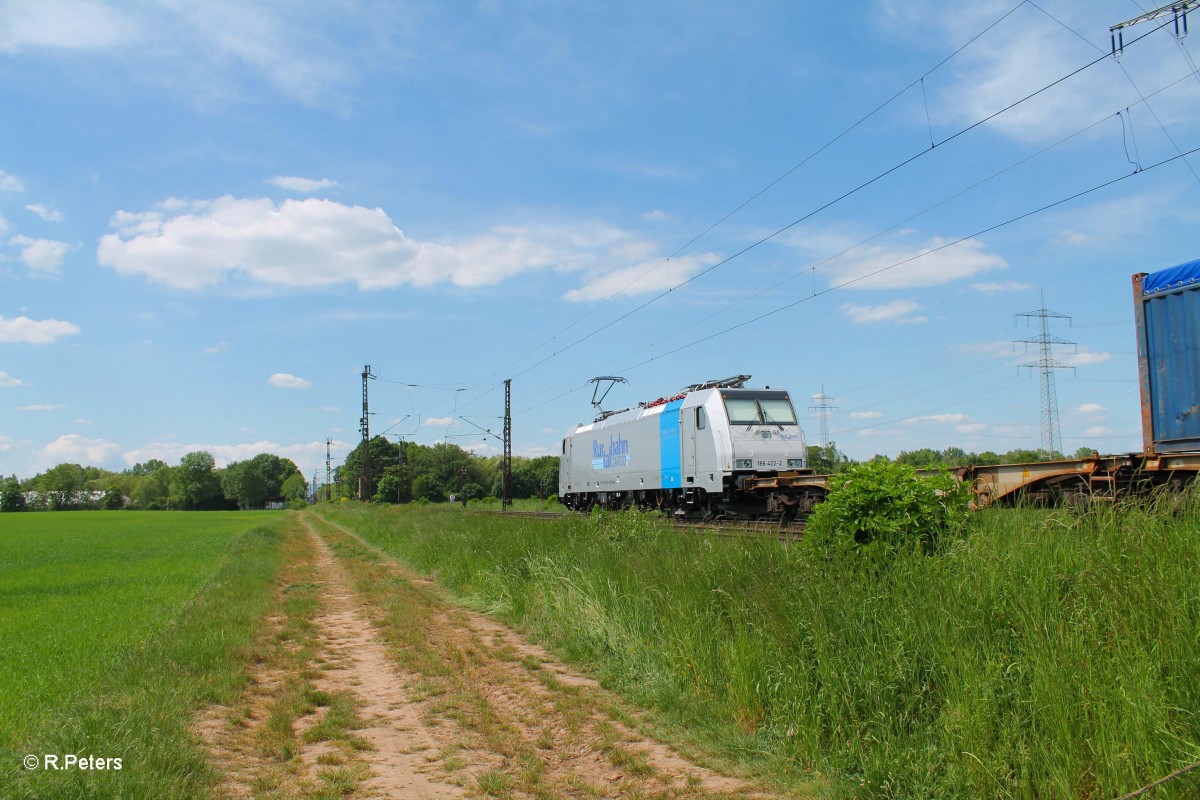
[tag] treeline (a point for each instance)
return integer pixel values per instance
(403, 472)
(828, 460)
(195, 484)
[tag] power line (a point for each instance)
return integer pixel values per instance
(1129, 78)
(494, 386)
(873, 273)
(1046, 365)
(829, 204)
(824, 408)
(920, 80)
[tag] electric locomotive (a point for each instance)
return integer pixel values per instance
(692, 454)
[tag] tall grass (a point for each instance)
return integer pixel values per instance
(1043, 655)
(123, 635)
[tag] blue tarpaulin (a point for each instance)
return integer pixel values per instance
(1173, 278)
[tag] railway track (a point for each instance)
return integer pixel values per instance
(715, 527)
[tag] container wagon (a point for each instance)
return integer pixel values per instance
(1167, 318)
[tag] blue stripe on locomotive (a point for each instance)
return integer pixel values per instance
(668, 428)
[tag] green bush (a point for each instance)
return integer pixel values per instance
(890, 505)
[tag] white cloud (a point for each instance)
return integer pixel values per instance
(308, 456)
(900, 311)
(316, 242)
(41, 407)
(42, 255)
(212, 46)
(1085, 358)
(1097, 430)
(82, 421)
(282, 380)
(61, 25)
(656, 215)
(1027, 52)
(216, 348)
(75, 449)
(1091, 408)
(935, 263)
(302, 185)
(439, 421)
(650, 275)
(7, 380)
(866, 414)
(48, 214)
(1001, 286)
(940, 419)
(24, 329)
(305, 243)
(1107, 223)
(6, 444)
(971, 427)
(10, 183)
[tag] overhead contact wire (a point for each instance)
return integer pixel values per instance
(827, 205)
(775, 182)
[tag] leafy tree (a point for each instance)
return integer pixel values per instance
(827, 459)
(150, 467)
(924, 458)
(11, 496)
(383, 454)
(388, 489)
(295, 487)
(152, 491)
(425, 487)
(1023, 455)
(1085, 452)
(194, 483)
(250, 483)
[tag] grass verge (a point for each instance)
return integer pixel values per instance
(1045, 654)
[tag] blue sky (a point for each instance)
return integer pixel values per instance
(212, 215)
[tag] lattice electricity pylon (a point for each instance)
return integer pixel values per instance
(1046, 365)
(824, 409)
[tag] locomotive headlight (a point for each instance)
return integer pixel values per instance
(743, 463)
(795, 463)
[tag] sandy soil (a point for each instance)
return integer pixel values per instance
(498, 716)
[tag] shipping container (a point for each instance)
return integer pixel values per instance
(1167, 316)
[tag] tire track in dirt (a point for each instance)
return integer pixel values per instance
(277, 741)
(399, 754)
(546, 731)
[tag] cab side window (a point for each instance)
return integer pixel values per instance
(701, 418)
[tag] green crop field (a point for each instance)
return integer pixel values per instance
(114, 625)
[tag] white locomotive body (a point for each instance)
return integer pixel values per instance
(688, 454)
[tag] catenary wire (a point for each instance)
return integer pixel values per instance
(881, 270)
(827, 205)
(920, 80)
(812, 267)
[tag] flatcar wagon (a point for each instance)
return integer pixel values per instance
(692, 454)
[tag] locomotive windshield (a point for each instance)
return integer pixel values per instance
(759, 408)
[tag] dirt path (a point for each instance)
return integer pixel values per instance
(436, 701)
(392, 725)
